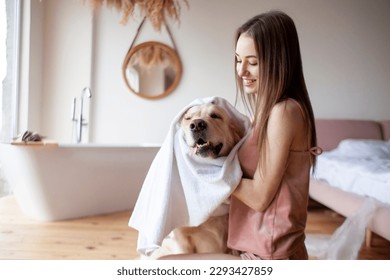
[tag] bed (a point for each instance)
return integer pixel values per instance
(355, 165)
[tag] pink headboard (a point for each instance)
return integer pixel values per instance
(331, 131)
(385, 129)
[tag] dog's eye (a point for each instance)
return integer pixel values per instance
(215, 116)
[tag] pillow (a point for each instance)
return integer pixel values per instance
(364, 148)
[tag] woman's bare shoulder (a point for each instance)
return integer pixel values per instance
(288, 117)
(289, 112)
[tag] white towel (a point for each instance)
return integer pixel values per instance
(184, 190)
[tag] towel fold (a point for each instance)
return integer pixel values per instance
(181, 189)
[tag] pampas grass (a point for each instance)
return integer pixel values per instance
(154, 10)
(149, 56)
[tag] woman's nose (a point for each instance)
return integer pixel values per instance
(241, 70)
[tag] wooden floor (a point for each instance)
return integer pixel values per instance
(108, 237)
(104, 237)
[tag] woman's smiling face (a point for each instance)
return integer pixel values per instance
(247, 65)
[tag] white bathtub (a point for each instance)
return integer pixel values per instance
(71, 181)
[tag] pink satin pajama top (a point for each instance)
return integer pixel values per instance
(277, 233)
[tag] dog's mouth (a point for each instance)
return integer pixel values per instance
(207, 149)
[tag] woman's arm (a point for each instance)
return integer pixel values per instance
(284, 123)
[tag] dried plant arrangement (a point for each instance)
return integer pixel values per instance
(154, 10)
(148, 56)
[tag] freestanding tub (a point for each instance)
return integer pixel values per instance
(57, 182)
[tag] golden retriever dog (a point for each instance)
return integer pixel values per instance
(211, 132)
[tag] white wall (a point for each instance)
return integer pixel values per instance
(55, 64)
(344, 47)
(67, 63)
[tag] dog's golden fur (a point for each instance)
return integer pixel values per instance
(210, 132)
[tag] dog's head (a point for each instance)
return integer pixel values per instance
(210, 131)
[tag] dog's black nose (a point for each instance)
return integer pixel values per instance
(198, 125)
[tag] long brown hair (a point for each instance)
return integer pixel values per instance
(280, 73)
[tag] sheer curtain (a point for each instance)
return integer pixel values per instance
(10, 88)
(9, 57)
(3, 57)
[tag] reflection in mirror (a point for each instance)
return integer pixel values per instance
(152, 70)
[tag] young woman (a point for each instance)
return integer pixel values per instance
(269, 207)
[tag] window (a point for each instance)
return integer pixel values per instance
(9, 71)
(3, 55)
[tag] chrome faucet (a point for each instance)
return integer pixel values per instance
(80, 120)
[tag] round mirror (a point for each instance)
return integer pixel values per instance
(152, 70)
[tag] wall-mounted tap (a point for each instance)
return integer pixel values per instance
(80, 120)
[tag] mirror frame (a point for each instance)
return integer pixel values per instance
(176, 65)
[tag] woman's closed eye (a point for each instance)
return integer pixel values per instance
(253, 63)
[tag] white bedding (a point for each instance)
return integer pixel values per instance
(359, 166)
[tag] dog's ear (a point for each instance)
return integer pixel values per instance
(239, 130)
